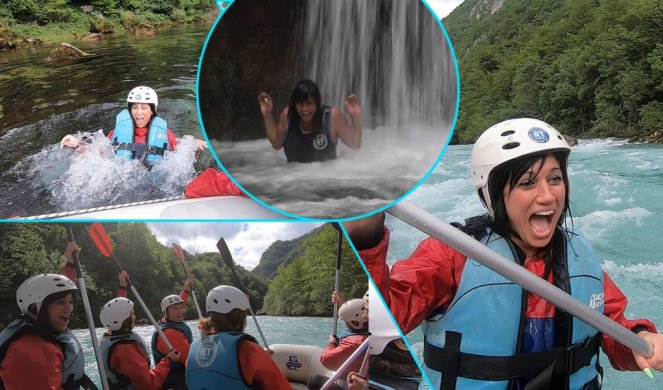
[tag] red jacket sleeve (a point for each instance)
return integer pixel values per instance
(333, 356)
(172, 140)
(32, 363)
(178, 340)
(129, 360)
(621, 357)
(211, 183)
(258, 368)
(417, 286)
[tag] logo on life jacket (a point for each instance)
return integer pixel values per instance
(320, 142)
(539, 135)
(207, 352)
(596, 300)
(293, 364)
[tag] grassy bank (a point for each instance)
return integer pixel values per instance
(22, 26)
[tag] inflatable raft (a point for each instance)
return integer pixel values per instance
(298, 363)
(210, 208)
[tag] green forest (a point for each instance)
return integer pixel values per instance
(47, 19)
(591, 68)
(30, 249)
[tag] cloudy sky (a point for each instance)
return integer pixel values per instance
(247, 241)
(443, 7)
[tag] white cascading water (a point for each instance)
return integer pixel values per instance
(394, 56)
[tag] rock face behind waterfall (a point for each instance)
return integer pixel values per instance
(251, 33)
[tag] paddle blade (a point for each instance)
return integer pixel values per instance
(101, 239)
(179, 252)
(225, 253)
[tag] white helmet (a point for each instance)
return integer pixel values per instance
(143, 95)
(223, 299)
(115, 312)
(507, 141)
(353, 310)
(38, 287)
(169, 301)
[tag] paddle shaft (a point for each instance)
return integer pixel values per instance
(88, 312)
(105, 246)
(255, 320)
(337, 282)
(344, 367)
(473, 249)
(144, 307)
(193, 293)
(227, 258)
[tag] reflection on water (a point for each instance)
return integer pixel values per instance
(42, 101)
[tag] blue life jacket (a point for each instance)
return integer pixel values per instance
(73, 365)
(123, 139)
(477, 343)
(313, 146)
(117, 381)
(177, 370)
(213, 362)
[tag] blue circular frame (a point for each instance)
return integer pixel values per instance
(306, 219)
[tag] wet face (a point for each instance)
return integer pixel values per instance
(59, 312)
(141, 113)
(535, 204)
(306, 110)
(175, 313)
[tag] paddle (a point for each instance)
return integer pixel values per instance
(103, 243)
(344, 367)
(337, 283)
(228, 260)
(180, 255)
(473, 249)
(88, 312)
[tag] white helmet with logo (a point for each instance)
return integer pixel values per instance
(507, 141)
(36, 288)
(143, 95)
(115, 312)
(353, 311)
(169, 301)
(223, 299)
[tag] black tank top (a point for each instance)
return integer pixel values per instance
(313, 146)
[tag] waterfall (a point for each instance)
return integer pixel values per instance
(391, 53)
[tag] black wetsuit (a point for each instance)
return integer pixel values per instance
(313, 146)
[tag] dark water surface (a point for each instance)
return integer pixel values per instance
(41, 101)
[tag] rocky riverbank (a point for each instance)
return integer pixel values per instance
(90, 25)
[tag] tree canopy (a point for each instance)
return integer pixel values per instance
(305, 286)
(587, 67)
(33, 248)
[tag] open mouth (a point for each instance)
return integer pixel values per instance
(541, 222)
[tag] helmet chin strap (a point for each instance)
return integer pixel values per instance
(486, 201)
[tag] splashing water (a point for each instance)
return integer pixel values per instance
(95, 177)
(394, 56)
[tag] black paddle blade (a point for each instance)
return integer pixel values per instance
(225, 253)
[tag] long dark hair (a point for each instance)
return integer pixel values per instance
(508, 174)
(43, 317)
(303, 91)
(217, 322)
(152, 107)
